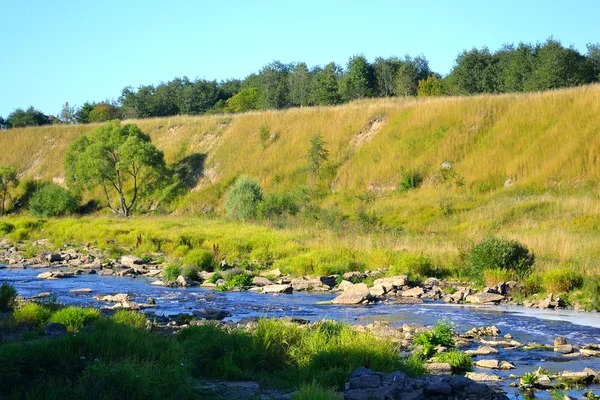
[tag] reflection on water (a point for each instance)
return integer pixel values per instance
(525, 325)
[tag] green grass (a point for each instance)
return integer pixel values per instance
(442, 334)
(171, 272)
(130, 318)
(75, 318)
(312, 391)
(33, 314)
(459, 361)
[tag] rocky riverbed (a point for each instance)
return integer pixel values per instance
(505, 341)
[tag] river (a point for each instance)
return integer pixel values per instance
(525, 325)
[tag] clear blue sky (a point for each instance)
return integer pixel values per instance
(75, 51)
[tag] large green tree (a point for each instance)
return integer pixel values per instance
(325, 91)
(30, 117)
(120, 159)
(8, 178)
(359, 80)
(300, 85)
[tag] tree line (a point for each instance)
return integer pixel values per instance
(522, 68)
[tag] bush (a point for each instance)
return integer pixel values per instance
(8, 296)
(561, 280)
(215, 277)
(201, 259)
(493, 276)
(75, 318)
(413, 264)
(171, 272)
(459, 361)
(243, 198)
(441, 335)
(509, 255)
(6, 228)
(313, 391)
(410, 180)
(51, 200)
(130, 318)
(278, 204)
(32, 314)
(190, 272)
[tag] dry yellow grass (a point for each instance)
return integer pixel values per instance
(547, 143)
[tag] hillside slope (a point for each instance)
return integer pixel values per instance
(546, 145)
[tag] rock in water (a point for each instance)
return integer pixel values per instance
(356, 294)
(484, 298)
(277, 289)
(130, 261)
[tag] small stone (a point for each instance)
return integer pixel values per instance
(82, 290)
(560, 341)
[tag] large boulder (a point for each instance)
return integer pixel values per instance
(54, 257)
(365, 384)
(414, 292)
(54, 329)
(392, 282)
(261, 281)
(117, 298)
(131, 261)
(482, 351)
(356, 294)
(484, 298)
(277, 289)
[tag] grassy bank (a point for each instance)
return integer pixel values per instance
(118, 357)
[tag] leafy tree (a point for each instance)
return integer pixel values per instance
(117, 158)
(475, 72)
(67, 114)
(246, 100)
(30, 117)
(410, 71)
(228, 88)
(103, 112)
(300, 85)
(325, 90)
(514, 66)
(556, 66)
(51, 200)
(82, 116)
(3, 124)
(359, 80)
(385, 72)
(593, 55)
(432, 86)
(243, 198)
(8, 177)
(199, 97)
(275, 85)
(317, 155)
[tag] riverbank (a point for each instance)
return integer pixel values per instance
(531, 346)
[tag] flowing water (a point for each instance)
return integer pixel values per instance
(525, 325)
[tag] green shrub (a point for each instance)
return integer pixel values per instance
(32, 314)
(410, 180)
(130, 318)
(561, 280)
(313, 391)
(75, 318)
(413, 264)
(441, 335)
(6, 228)
(215, 277)
(51, 200)
(243, 198)
(459, 361)
(200, 258)
(237, 280)
(501, 254)
(171, 272)
(278, 204)
(8, 296)
(190, 272)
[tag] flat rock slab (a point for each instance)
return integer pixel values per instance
(484, 298)
(277, 289)
(480, 377)
(414, 292)
(82, 290)
(356, 294)
(482, 351)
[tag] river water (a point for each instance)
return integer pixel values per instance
(525, 325)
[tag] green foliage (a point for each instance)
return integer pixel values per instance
(499, 253)
(459, 361)
(6, 228)
(246, 100)
(215, 277)
(51, 200)
(130, 318)
(171, 272)
(33, 314)
(317, 155)
(111, 361)
(8, 178)
(236, 280)
(75, 318)
(359, 80)
(529, 378)
(190, 272)
(8, 297)
(324, 354)
(117, 158)
(30, 117)
(413, 265)
(410, 180)
(201, 259)
(432, 86)
(103, 112)
(561, 280)
(313, 391)
(442, 334)
(243, 198)
(278, 204)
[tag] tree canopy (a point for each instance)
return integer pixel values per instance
(120, 159)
